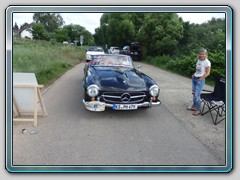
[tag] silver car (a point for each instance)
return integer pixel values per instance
(114, 50)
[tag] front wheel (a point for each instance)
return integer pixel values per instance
(85, 96)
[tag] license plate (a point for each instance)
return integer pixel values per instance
(124, 106)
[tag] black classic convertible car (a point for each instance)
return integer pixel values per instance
(112, 81)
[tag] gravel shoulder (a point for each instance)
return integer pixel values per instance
(175, 94)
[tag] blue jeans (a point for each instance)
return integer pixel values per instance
(197, 89)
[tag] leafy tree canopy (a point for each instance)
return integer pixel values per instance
(39, 32)
(50, 21)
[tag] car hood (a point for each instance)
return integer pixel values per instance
(119, 79)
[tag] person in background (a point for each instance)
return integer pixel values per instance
(203, 69)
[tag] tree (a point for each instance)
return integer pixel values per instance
(137, 19)
(16, 26)
(118, 28)
(50, 21)
(122, 32)
(188, 42)
(210, 35)
(39, 32)
(88, 37)
(61, 35)
(161, 33)
(101, 34)
(75, 31)
(104, 19)
(98, 36)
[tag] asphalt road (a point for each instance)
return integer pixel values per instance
(164, 135)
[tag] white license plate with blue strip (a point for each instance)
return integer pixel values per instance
(124, 106)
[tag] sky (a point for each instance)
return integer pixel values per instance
(92, 20)
(199, 18)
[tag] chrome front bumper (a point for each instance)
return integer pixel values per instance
(144, 104)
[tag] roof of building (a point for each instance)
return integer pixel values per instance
(19, 31)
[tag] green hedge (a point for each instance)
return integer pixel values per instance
(185, 65)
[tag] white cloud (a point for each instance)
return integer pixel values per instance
(199, 18)
(21, 18)
(88, 20)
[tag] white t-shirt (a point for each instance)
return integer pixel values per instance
(201, 67)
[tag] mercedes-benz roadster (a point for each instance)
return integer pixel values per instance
(113, 81)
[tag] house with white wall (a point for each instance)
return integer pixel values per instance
(26, 32)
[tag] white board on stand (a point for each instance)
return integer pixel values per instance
(24, 85)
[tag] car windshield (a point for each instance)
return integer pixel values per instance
(93, 48)
(123, 61)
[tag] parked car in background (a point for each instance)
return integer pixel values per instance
(112, 81)
(68, 43)
(134, 50)
(114, 50)
(93, 50)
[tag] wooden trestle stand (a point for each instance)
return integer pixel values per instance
(37, 98)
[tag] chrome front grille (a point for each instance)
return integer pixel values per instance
(122, 97)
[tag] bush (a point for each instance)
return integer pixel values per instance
(185, 64)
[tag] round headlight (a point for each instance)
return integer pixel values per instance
(154, 90)
(93, 90)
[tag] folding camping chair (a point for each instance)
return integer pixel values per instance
(215, 101)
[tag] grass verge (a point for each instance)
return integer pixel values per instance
(47, 60)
